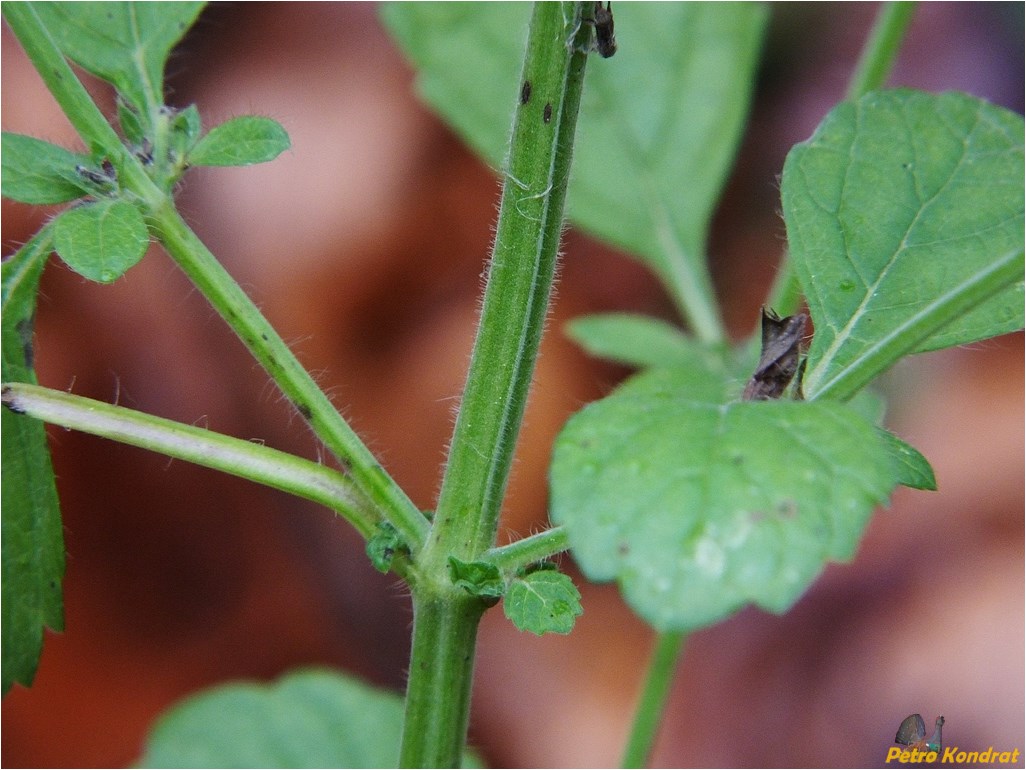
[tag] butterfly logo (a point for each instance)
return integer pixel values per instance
(912, 733)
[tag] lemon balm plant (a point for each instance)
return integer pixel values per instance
(904, 220)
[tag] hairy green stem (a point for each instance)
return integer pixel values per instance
(295, 382)
(215, 283)
(528, 550)
(246, 459)
(516, 297)
(520, 277)
(440, 679)
(652, 702)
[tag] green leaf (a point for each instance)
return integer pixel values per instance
(635, 340)
(543, 602)
(477, 578)
(699, 505)
(124, 43)
(241, 141)
(131, 123)
(910, 467)
(897, 209)
(383, 546)
(38, 172)
(31, 540)
(311, 718)
(649, 162)
(185, 128)
(101, 240)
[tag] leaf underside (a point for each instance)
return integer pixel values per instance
(698, 505)
(896, 202)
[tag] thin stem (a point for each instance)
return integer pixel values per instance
(528, 550)
(215, 282)
(245, 459)
(881, 49)
(871, 72)
(520, 276)
(656, 690)
(295, 382)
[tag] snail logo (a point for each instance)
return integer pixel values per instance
(912, 733)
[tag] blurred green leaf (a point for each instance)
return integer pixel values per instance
(698, 504)
(312, 718)
(38, 172)
(124, 43)
(31, 540)
(634, 340)
(240, 141)
(101, 240)
(544, 601)
(898, 202)
(659, 122)
(910, 467)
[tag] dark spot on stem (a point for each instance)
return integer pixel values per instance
(547, 112)
(303, 409)
(525, 92)
(8, 401)
(24, 329)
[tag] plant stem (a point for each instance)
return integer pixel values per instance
(881, 49)
(656, 689)
(255, 462)
(441, 675)
(528, 550)
(214, 281)
(520, 277)
(871, 72)
(295, 382)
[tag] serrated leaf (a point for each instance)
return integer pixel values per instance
(38, 172)
(910, 467)
(240, 141)
(698, 505)
(543, 602)
(477, 578)
(101, 240)
(31, 540)
(124, 43)
(635, 340)
(899, 202)
(649, 162)
(311, 718)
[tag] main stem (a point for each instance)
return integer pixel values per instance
(520, 277)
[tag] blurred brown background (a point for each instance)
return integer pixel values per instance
(364, 245)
